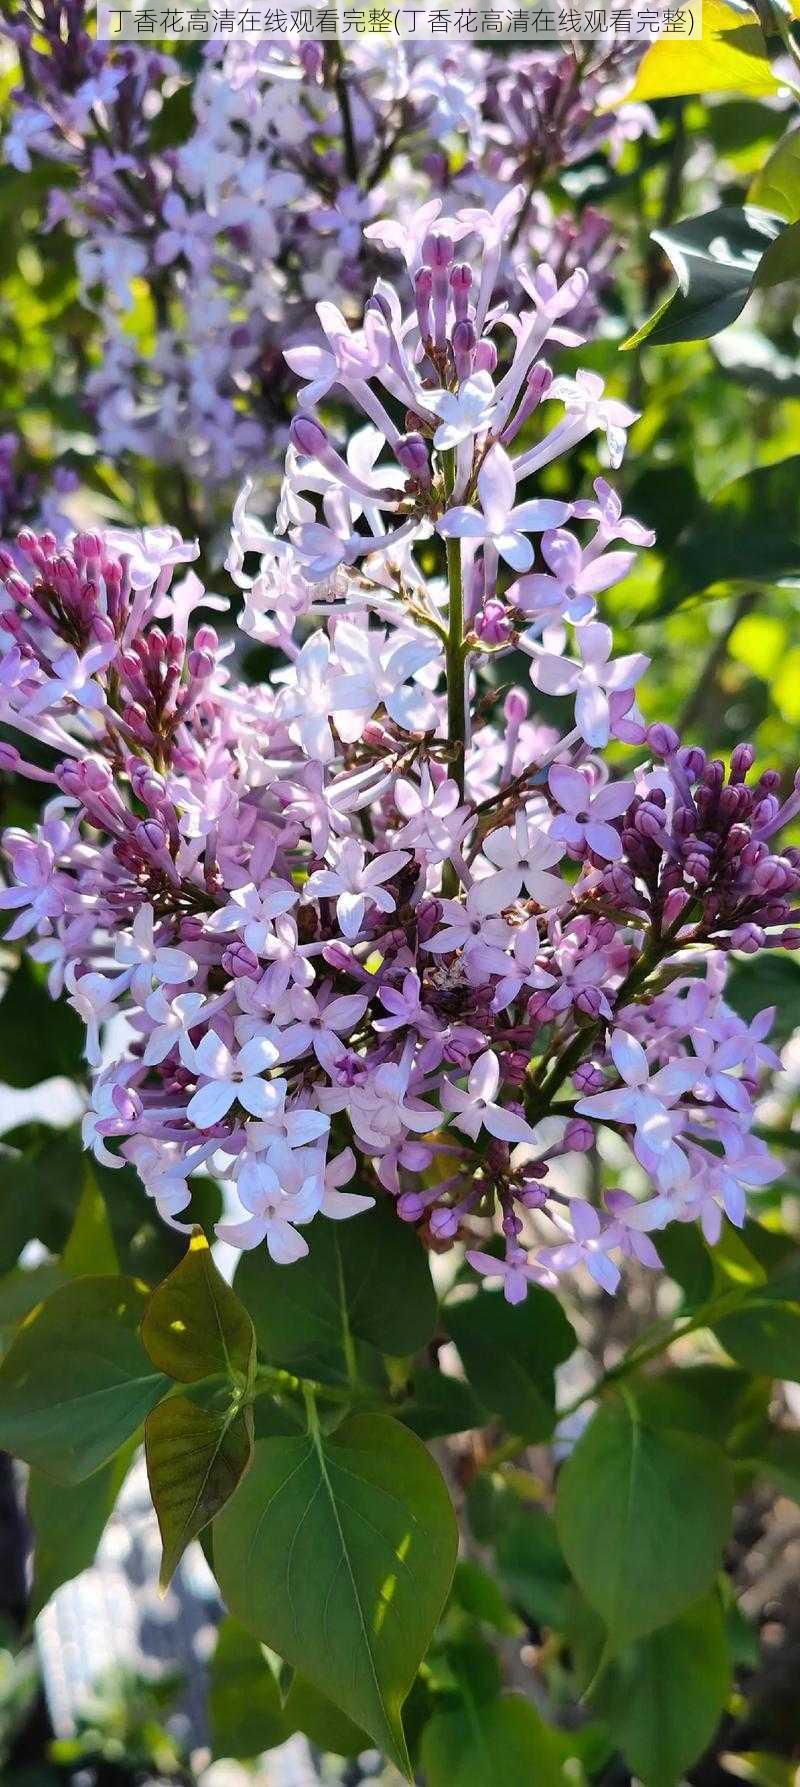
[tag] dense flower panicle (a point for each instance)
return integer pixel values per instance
(373, 925)
(234, 227)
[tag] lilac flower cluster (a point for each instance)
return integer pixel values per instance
(372, 924)
(203, 250)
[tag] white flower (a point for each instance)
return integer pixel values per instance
(314, 691)
(524, 854)
(476, 1108)
(251, 910)
(228, 1078)
(318, 1026)
(467, 411)
(502, 525)
(475, 921)
(152, 963)
(277, 1201)
(173, 1019)
(591, 681)
(355, 883)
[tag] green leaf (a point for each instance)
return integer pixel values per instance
(714, 1400)
(719, 259)
(662, 1698)
(90, 1245)
(245, 1713)
(76, 1382)
(510, 1352)
(194, 1325)
(69, 1524)
(441, 1404)
(776, 186)
(764, 1335)
(642, 1515)
(748, 533)
(730, 57)
(502, 1740)
(306, 1709)
(779, 1460)
(479, 1594)
(338, 1551)
(39, 1036)
(196, 1456)
(768, 979)
(367, 1279)
(531, 1565)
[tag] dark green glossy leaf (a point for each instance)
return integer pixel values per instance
(719, 259)
(491, 1741)
(338, 1551)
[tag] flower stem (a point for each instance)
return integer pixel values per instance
(455, 667)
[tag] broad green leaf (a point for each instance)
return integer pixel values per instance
(196, 1456)
(479, 1594)
(730, 57)
(749, 532)
(761, 981)
(719, 258)
(510, 1352)
(642, 1515)
(662, 1698)
(367, 1279)
(441, 1404)
(501, 1740)
(245, 1713)
(76, 1382)
(777, 186)
(90, 1245)
(21, 1290)
(338, 1551)
(39, 1036)
(194, 1325)
(68, 1524)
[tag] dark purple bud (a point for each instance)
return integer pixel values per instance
(663, 740)
(749, 938)
(437, 249)
(308, 436)
(742, 759)
(413, 456)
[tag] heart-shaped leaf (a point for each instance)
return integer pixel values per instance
(337, 1550)
(642, 1515)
